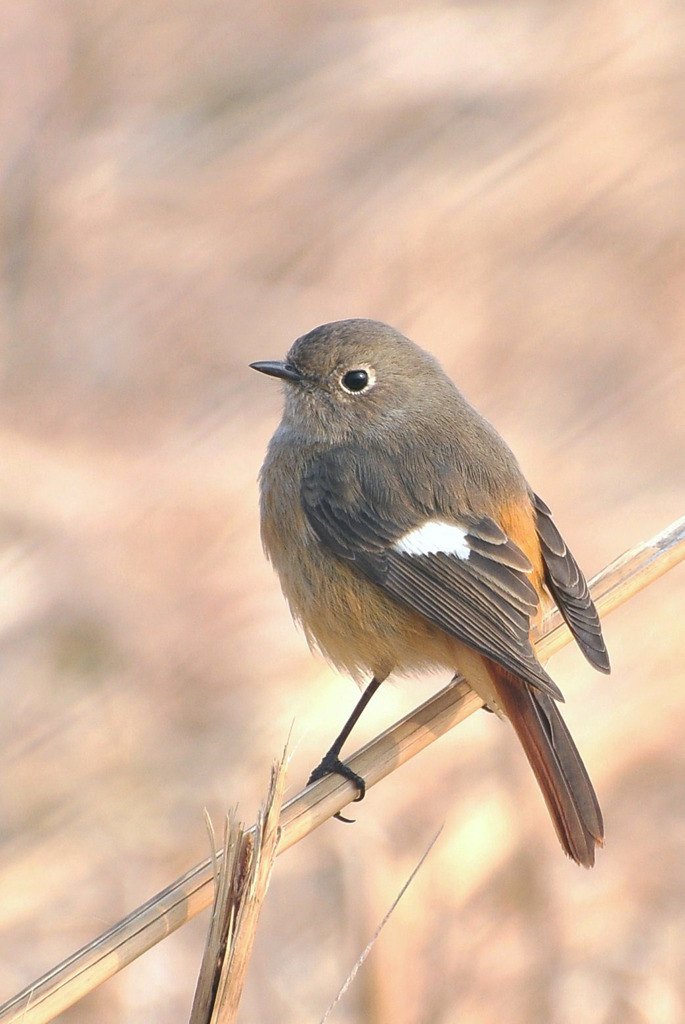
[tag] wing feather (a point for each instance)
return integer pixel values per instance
(569, 589)
(485, 600)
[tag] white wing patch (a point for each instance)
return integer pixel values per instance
(435, 536)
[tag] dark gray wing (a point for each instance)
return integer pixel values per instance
(485, 600)
(569, 589)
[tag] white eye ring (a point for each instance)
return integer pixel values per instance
(358, 380)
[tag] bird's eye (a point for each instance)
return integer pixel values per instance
(355, 380)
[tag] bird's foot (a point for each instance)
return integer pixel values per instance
(331, 764)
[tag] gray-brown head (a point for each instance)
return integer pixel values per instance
(359, 377)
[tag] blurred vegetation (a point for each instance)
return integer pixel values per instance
(186, 187)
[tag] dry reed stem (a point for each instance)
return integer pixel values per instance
(229, 876)
(363, 956)
(241, 879)
(188, 895)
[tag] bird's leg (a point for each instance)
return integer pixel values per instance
(331, 764)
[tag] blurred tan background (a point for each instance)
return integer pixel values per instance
(186, 187)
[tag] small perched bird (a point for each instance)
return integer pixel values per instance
(406, 537)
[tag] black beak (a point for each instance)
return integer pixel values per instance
(286, 371)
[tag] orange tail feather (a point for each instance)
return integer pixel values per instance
(557, 765)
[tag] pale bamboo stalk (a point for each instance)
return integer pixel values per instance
(188, 895)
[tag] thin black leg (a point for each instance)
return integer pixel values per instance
(330, 763)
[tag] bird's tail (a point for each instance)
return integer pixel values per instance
(553, 756)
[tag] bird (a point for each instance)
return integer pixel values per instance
(406, 538)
